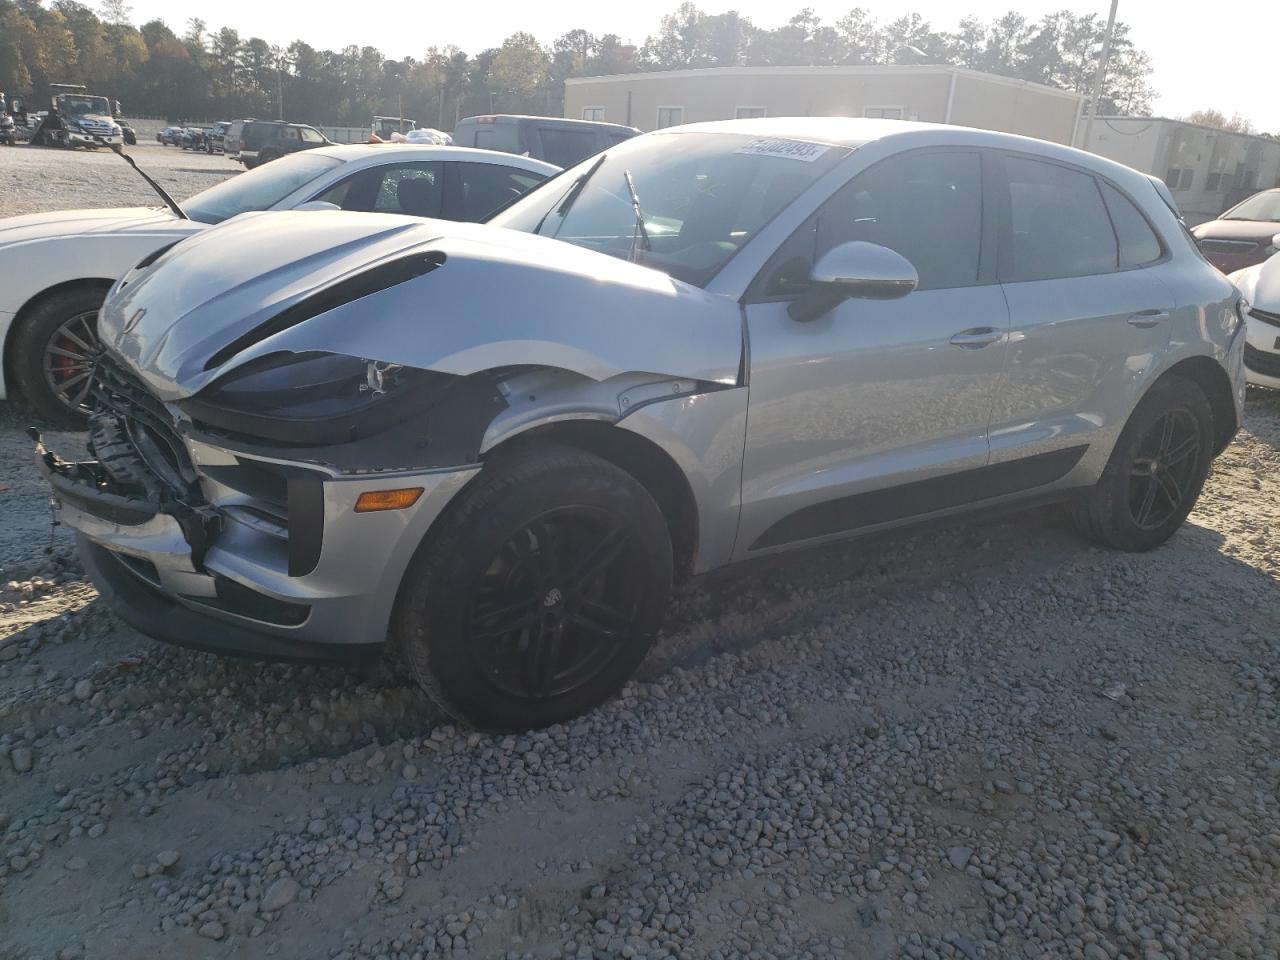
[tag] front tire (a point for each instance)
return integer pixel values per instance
(1156, 472)
(54, 352)
(539, 594)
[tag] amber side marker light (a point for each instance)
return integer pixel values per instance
(388, 499)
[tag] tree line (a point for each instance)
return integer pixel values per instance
(217, 74)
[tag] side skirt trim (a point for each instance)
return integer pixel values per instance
(921, 497)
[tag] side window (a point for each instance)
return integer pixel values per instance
(310, 135)
(1138, 243)
(1060, 226)
(925, 205)
(485, 188)
(412, 188)
(564, 147)
(415, 189)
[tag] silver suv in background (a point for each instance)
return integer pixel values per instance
(708, 344)
(553, 139)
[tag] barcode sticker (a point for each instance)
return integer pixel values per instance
(789, 149)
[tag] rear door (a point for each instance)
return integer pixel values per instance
(1088, 314)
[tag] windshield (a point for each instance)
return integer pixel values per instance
(81, 106)
(1261, 206)
(258, 189)
(703, 196)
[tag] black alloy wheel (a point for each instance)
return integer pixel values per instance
(1163, 475)
(537, 592)
(557, 605)
(1155, 471)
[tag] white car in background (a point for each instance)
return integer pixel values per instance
(1260, 285)
(59, 266)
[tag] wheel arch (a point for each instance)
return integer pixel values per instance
(651, 466)
(1208, 374)
(32, 303)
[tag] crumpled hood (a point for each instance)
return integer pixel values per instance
(499, 298)
(68, 223)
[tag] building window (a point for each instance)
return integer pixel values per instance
(884, 113)
(1172, 178)
(593, 113)
(749, 113)
(1188, 175)
(670, 117)
(1213, 182)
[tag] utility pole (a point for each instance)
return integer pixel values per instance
(1096, 95)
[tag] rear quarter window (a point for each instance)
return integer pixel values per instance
(1138, 243)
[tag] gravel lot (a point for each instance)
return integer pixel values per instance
(975, 742)
(37, 179)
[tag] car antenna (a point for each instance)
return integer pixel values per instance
(172, 204)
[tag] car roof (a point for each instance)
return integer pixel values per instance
(566, 121)
(858, 131)
(373, 152)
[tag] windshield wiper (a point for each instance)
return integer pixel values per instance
(169, 201)
(571, 194)
(640, 233)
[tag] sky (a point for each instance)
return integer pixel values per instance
(1222, 60)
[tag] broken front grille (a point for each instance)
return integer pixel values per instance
(129, 425)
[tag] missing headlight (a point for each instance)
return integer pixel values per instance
(314, 398)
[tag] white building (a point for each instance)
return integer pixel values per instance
(1207, 169)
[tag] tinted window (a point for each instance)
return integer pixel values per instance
(410, 188)
(487, 187)
(926, 206)
(1060, 227)
(565, 147)
(1138, 244)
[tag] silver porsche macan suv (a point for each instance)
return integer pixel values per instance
(496, 446)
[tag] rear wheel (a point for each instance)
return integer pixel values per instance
(540, 593)
(1156, 471)
(55, 351)
(266, 156)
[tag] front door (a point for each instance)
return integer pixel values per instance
(878, 410)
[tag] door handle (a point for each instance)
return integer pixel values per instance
(976, 338)
(1146, 318)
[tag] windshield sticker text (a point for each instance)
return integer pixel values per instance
(790, 149)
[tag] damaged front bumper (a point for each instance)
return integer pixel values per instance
(267, 558)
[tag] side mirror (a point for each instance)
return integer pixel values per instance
(857, 269)
(317, 205)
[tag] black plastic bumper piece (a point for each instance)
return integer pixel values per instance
(149, 611)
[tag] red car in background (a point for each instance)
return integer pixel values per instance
(1244, 235)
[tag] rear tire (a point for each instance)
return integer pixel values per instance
(65, 322)
(539, 593)
(266, 156)
(1156, 471)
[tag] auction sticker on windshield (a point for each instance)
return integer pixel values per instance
(790, 149)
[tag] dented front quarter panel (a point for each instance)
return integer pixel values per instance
(500, 299)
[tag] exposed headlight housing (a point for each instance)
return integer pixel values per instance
(314, 398)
